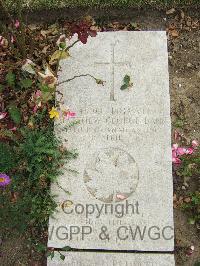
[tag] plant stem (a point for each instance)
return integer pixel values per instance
(78, 76)
(70, 46)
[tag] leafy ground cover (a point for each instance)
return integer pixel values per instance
(33, 157)
(49, 4)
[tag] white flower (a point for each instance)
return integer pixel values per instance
(62, 42)
(48, 78)
(3, 42)
(28, 66)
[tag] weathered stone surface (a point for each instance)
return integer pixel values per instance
(112, 259)
(124, 181)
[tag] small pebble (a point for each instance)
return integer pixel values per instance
(186, 185)
(189, 65)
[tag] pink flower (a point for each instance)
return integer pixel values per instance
(35, 109)
(13, 129)
(12, 39)
(174, 154)
(195, 144)
(181, 151)
(174, 146)
(189, 151)
(176, 160)
(17, 24)
(120, 197)
(69, 114)
(38, 93)
(36, 98)
(2, 115)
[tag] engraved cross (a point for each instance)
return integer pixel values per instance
(112, 64)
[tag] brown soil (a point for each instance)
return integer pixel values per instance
(184, 69)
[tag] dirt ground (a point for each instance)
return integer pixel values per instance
(184, 71)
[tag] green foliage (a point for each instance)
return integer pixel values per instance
(194, 207)
(1, 87)
(41, 4)
(15, 113)
(15, 84)
(179, 123)
(29, 201)
(71, 124)
(127, 79)
(26, 83)
(6, 133)
(190, 165)
(51, 253)
(9, 159)
(47, 92)
(126, 82)
(62, 257)
(10, 79)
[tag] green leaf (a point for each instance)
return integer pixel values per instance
(15, 114)
(124, 87)
(26, 83)
(57, 56)
(191, 221)
(67, 248)
(62, 45)
(40, 247)
(52, 255)
(1, 87)
(46, 96)
(127, 79)
(62, 257)
(44, 87)
(48, 253)
(10, 79)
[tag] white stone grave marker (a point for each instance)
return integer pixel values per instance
(121, 194)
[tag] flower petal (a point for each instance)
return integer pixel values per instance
(120, 197)
(181, 151)
(189, 151)
(17, 24)
(174, 154)
(195, 144)
(2, 115)
(174, 146)
(176, 160)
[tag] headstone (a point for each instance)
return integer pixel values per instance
(111, 259)
(121, 182)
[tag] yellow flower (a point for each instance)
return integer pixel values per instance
(54, 113)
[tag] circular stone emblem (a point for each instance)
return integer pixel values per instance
(111, 175)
